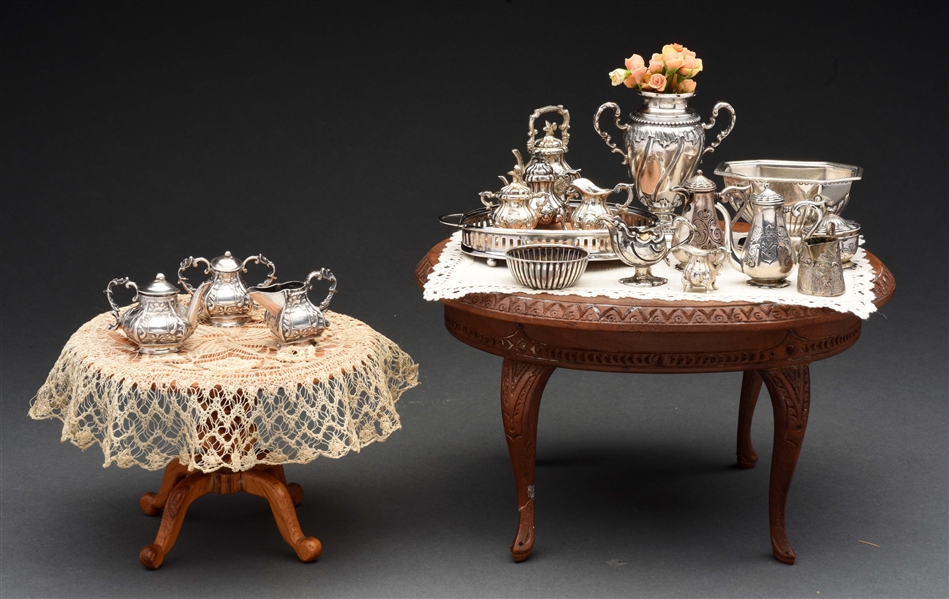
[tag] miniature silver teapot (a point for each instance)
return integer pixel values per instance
(550, 207)
(593, 203)
(159, 323)
(768, 255)
(513, 210)
(226, 303)
(551, 150)
(700, 195)
(289, 314)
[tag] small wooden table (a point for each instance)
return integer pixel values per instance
(770, 343)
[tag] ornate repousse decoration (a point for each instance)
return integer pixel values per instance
(768, 244)
(708, 234)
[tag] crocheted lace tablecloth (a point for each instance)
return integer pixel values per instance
(229, 398)
(458, 274)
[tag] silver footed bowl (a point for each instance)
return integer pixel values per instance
(547, 266)
(795, 180)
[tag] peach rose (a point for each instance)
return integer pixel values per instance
(697, 67)
(687, 65)
(686, 86)
(635, 77)
(657, 81)
(688, 53)
(617, 76)
(655, 64)
(634, 62)
(673, 60)
(672, 48)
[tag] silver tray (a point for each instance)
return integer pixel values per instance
(479, 236)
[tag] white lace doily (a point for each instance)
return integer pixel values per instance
(230, 397)
(458, 274)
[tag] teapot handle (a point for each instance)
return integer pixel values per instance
(185, 265)
(711, 123)
(260, 259)
(629, 193)
(681, 220)
(115, 307)
(486, 197)
(564, 127)
(621, 127)
(324, 274)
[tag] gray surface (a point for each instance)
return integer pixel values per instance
(366, 121)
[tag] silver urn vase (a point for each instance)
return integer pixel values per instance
(665, 141)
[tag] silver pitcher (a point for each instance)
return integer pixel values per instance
(226, 304)
(513, 210)
(820, 271)
(289, 314)
(551, 150)
(665, 142)
(640, 247)
(159, 324)
(700, 196)
(847, 233)
(592, 204)
(767, 256)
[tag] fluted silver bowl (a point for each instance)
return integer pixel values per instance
(547, 266)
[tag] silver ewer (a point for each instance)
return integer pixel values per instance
(641, 248)
(159, 323)
(226, 303)
(586, 215)
(768, 255)
(290, 315)
(665, 141)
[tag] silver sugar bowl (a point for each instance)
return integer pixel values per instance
(159, 324)
(513, 210)
(226, 304)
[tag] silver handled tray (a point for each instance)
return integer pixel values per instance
(479, 236)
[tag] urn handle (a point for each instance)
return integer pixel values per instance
(260, 259)
(185, 265)
(115, 307)
(711, 123)
(564, 127)
(324, 274)
(605, 135)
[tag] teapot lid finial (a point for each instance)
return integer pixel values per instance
(158, 287)
(226, 263)
(700, 183)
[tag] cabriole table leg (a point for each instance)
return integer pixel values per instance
(152, 503)
(522, 385)
(790, 390)
(750, 387)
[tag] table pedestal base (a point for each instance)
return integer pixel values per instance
(180, 487)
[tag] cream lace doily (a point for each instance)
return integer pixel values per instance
(230, 397)
(458, 274)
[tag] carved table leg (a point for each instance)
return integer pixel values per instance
(296, 491)
(522, 385)
(750, 387)
(264, 484)
(187, 490)
(152, 503)
(790, 390)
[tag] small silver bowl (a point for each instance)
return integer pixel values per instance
(547, 266)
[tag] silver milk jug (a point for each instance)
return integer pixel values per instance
(226, 304)
(593, 204)
(289, 314)
(159, 324)
(820, 271)
(768, 255)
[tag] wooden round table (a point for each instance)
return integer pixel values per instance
(770, 343)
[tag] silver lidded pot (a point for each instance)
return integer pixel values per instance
(226, 303)
(159, 323)
(700, 195)
(847, 233)
(551, 150)
(513, 210)
(768, 255)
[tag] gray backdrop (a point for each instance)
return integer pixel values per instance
(133, 135)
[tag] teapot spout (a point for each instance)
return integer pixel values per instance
(197, 300)
(734, 260)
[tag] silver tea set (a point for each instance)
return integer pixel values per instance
(791, 207)
(159, 321)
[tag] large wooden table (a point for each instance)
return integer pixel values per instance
(770, 343)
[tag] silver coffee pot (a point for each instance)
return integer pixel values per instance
(699, 193)
(768, 255)
(159, 323)
(226, 303)
(289, 314)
